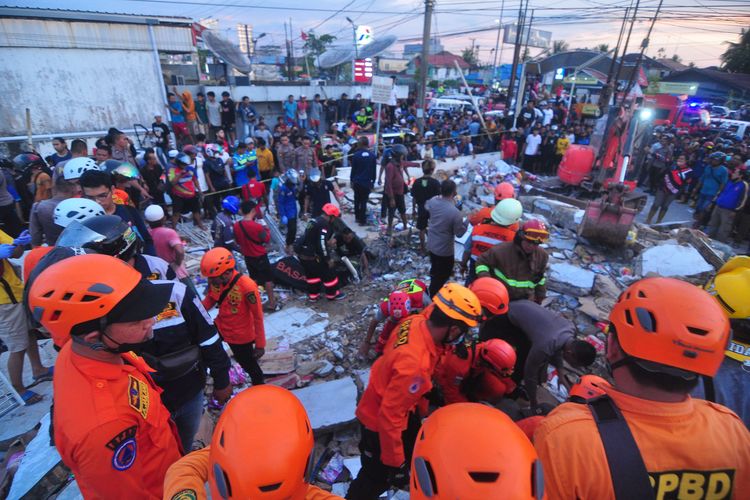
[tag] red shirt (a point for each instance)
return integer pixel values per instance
(510, 149)
(254, 190)
(251, 237)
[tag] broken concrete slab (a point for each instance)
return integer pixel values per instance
(569, 279)
(590, 307)
(558, 213)
(363, 376)
(295, 324)
(672, 260)
(278, 362)
(38, 460)
(319, 399)
(562, 243)
(290, 381)
(606, 286)
(325, 369)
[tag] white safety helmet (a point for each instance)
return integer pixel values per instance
(507, 212)
(78, 209)
(75, 167)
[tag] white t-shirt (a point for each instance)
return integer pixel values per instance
(200, 174)
(532, 144)
(547, 116)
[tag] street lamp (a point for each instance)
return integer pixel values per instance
(645, 114)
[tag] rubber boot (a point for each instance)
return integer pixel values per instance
(662, 213)
(651, 214)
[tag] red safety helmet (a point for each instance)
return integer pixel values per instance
(499, 355)
(500, 463)
(492, 294)
(589, 386)
(535, 230)
(332, 210)
(216, 262)
(399, 304)
(261, 447)
(504, 190)
(670, 326)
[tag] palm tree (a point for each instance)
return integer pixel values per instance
(559, 46)
(736, 59)
(602, 47)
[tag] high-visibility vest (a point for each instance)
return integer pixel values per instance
(485, 236)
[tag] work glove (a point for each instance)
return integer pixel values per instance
(284, 220)
(398, 477)
(6, 251)
(23, 239)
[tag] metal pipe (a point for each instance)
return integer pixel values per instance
(29, 136)
(69, 135)
(424, 66)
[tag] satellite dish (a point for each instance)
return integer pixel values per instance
(335, 56)
(377, 46)
(226, 50)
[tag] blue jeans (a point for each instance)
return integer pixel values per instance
(303, 123)
(248, 130)
(187, 418)
(732, 388)
(704, 200)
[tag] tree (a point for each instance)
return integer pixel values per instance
(676, 58)
(736, 59)
(559, 46)
(316, 45)
(661, 53)
(470, 56)
(602, 47)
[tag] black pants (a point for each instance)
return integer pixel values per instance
(291, 231)
(441, 269)
(500, 327)
(372, 479)
(243, 353)
(320, 273)
(361, 194)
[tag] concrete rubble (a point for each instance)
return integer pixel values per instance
(319, 399)
(673, 260)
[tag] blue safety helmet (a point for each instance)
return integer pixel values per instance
(231, 204)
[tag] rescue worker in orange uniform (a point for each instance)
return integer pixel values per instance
(501, 227)
(473, 451)
(503, 191)
(262, 448)
(478, 372)
(240, 319)
(398, 380)
(649, 438)
(410, 296)
(110, 425)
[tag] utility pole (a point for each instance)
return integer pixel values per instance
(497, 40)
(424, 66)
(516, 51)
(288, 55)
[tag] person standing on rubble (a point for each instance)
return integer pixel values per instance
(315, 250)
(394, 188)
(501, 227)
(730, 200)
(445, 223)
(647, 438)
(252, 238)
(364, 170)
(520, 264)
(388, 411)
(422, 190)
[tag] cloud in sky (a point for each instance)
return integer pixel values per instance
(692, 29)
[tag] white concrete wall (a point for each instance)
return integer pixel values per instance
(77, 90)
(278, 93)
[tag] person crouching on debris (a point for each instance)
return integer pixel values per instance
(315, 250)
(409, 297)
(252, 237)
(240, 319)
(269, 459)
(519, 264)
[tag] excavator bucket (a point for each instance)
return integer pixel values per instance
(607, 220)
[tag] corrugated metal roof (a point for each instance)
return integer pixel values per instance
(87, 15)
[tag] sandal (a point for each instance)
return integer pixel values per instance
(30, 397)
(45, 377)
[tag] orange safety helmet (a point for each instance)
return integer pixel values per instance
(216, 262)
(535, 230)
(492, 294)
(501, 463)
(662, 335)
(499, 354)
(261, 447)
(459, 303)
(504, 190)
(78, 290)
(589, 386)
(332, 210)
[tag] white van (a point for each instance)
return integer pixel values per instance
(740, 129)
(446, 104)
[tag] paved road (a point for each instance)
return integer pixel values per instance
(678, 212)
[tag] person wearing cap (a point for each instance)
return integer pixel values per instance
(240, 318)
(422, 190)
(169, 245)
(241, 162)
(730, 201)
(663, 335)
(388, 411)
(547, 114)
(315, 250)
(252, 238)
(501, 227)
(97, 186)
(243, 460)
(109, 424)
(317, 193)
(161, 132)
(520, 264)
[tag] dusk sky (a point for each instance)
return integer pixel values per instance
(692, 29)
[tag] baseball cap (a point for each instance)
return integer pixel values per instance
(154, 213)
(249, 140)
(144, 301)
(173, 153)
(315, 175)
